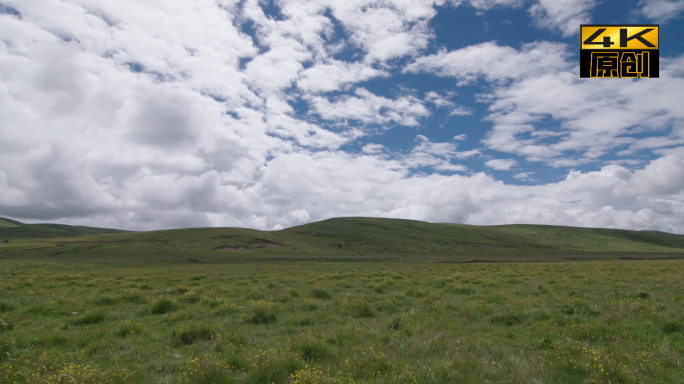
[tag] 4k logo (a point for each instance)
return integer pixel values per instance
(630, 51)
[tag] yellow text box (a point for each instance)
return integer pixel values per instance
(620, 37)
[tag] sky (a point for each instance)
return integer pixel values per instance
(161, 114)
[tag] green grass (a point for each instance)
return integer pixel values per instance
(351, 239)
(11, 229)
(560, 322)
(147, 314)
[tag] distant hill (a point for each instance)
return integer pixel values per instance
(11, 229)
(346, 239)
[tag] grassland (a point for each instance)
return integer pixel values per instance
(164, 307)
(12, 229)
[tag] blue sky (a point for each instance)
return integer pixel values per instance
(268, 114)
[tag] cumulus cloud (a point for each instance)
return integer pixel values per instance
(144, 115)
(501, 164)
(371, 109)
(436, 155)
(594, 118)
(335, 75)
(661, 10)
(493, 62)
(563, 15)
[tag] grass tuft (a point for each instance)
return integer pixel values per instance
(360, 308)
(311, 348)
(163, 305)
(505, 319)
(193, 334)
(6, 306)
(91, 318)
(129, 328)
(262, 313)
(5, 325)
(321, 293)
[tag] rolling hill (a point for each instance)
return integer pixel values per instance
(11, 229)
(345, 239)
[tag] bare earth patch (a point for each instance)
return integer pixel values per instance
(267, 244)
(231, 248)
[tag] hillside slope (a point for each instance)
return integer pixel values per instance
(358, 239)
(11, 229)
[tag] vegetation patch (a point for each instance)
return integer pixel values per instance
(262, 313)
(90, 318)
(321, 293)
(190, 335)
(129, 328)
(6, 306)
(163, 305)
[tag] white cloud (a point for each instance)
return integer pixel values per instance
(524, 176)
(661, 10)
(488, 4)
(300, 215)
(501, 164)
(164, 115)
(436, 155)
(371, 109)
(563, 15)
(594, 119)
(386, 30)
(494, 62)
(436, 99)
(443, 102)
(335, 75)
(372, 148)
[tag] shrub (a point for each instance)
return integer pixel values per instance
(6, 306)
(360, 308)
(163, 305)
(204, 370)
(133, 296)
(641, 295)
(395, 324)
(192, 297)
(311, 348)
(463, 290)
(309, 305)
(129, 328)
(505, 319)
(274, 366)
(180, 290)
(262, 313)
(671, 327)
(91, 318)
(106, 299)
(5, 326)
(579, 306)
(190, 335)
(321, 293)
(236, 362)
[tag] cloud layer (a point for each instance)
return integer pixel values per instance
(148, 115)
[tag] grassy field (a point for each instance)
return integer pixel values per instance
(164, 307)
(350, 239)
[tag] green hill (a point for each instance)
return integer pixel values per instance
(7, 223)
(352, 239)
(11, 229)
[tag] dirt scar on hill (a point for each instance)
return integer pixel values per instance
(231, 248)
(267, 244)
